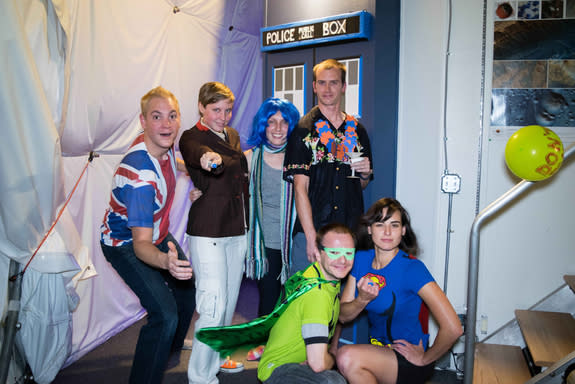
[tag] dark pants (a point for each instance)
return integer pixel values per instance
(303, 374)
(170, 304)
(270, 285)
(299, 261)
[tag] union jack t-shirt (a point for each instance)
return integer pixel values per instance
(142, 194)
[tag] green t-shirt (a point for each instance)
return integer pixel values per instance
(312, 317)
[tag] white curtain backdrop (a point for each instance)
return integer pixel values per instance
(72, 74)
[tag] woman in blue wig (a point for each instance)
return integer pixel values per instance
(272, 210)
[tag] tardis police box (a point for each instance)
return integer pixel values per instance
(347, 26)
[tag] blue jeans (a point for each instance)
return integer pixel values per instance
(302, 374)
(170, 304)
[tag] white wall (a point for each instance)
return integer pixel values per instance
(527, 248)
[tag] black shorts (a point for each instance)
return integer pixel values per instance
(408, 373)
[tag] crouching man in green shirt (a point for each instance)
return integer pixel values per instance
(297, 350)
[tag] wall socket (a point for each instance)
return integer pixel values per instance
(462, 319)
(483, 324)
(450, 183)
(459, 345)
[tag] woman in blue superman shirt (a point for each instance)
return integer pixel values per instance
(391, 285)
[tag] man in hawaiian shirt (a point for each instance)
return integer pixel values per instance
(318, 163)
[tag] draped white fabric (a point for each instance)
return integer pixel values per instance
(72, 74)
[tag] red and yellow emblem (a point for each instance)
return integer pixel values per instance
(377, 280)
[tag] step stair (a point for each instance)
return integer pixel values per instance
(549, 336)
(570, 280)
(499, 364)
(562, 372)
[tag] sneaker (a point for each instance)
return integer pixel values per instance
(231, 366)
(256, 353)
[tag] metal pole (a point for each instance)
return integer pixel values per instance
(473, 268)
(11, 325)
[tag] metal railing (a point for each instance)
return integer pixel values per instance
(473, 267)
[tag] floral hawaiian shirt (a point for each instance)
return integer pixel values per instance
(319, 150)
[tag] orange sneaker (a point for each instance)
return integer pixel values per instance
(256, 353)
(231, 366)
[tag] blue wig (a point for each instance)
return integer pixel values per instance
(269, 108)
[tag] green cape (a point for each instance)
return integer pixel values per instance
(227, 339)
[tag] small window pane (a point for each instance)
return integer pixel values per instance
(353, 72)
(279, 79)
(299, 78)
(289, 79)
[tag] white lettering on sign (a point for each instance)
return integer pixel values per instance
(305, 32)
(334, 27)
(280, 37)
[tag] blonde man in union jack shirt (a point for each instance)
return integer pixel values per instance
(136, 241)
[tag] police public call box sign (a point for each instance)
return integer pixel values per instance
(348, 26)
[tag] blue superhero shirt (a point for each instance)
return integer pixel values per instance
(394, 313)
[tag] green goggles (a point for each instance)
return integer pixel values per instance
(336, 253)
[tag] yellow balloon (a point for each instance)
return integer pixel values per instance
(534, 153)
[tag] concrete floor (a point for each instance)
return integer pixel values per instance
(110, 362)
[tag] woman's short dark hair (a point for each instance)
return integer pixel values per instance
(214, 91)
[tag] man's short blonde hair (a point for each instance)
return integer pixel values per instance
(330, 64)
(160, 92)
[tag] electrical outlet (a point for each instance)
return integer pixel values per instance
(450, 183)
(462, 319)
(459, 345)
(483, 324)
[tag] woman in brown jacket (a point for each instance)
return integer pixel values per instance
(217, 222)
